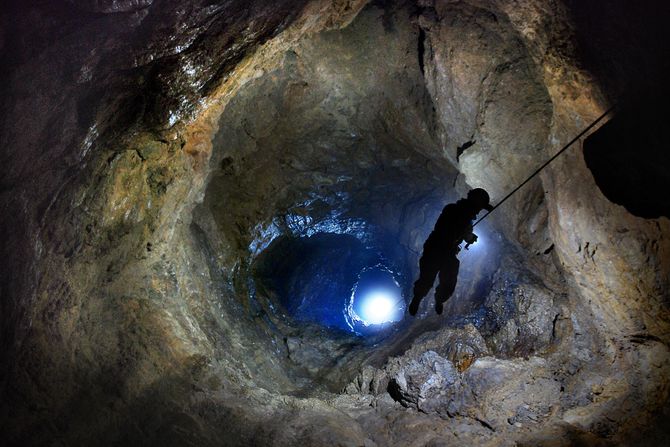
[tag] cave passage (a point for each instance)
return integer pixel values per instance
(215, 212)
(328, 279)
(327, 178)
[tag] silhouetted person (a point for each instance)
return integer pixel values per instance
(440, 249)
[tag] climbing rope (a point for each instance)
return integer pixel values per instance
(537, 171)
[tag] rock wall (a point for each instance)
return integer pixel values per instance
(154, 149)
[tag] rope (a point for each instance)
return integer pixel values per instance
(537, 171)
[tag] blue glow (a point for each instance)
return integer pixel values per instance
(377, 307)
(376, 300)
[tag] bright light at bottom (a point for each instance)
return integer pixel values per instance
(377, 307)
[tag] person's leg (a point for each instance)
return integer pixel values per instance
(448, 278)
(428, 268)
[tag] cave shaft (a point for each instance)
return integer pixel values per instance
(193, 190)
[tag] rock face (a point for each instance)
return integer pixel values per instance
(183, 180)
(517, 392)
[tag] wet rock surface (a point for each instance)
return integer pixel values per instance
(157, 152)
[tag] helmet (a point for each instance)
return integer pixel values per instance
(480, 197)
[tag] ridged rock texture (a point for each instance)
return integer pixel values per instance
(182, 179)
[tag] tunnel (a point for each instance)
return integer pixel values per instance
(214, 214)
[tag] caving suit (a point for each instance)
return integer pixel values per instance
(440, 249)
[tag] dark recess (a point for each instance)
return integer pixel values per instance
(630, 160)
(422, 50)
(625, 45)
(462, 148)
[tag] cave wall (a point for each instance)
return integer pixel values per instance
(101, 307)
(114, 134)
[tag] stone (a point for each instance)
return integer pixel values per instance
(420, 382)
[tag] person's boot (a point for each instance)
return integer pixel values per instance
(439, 306)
